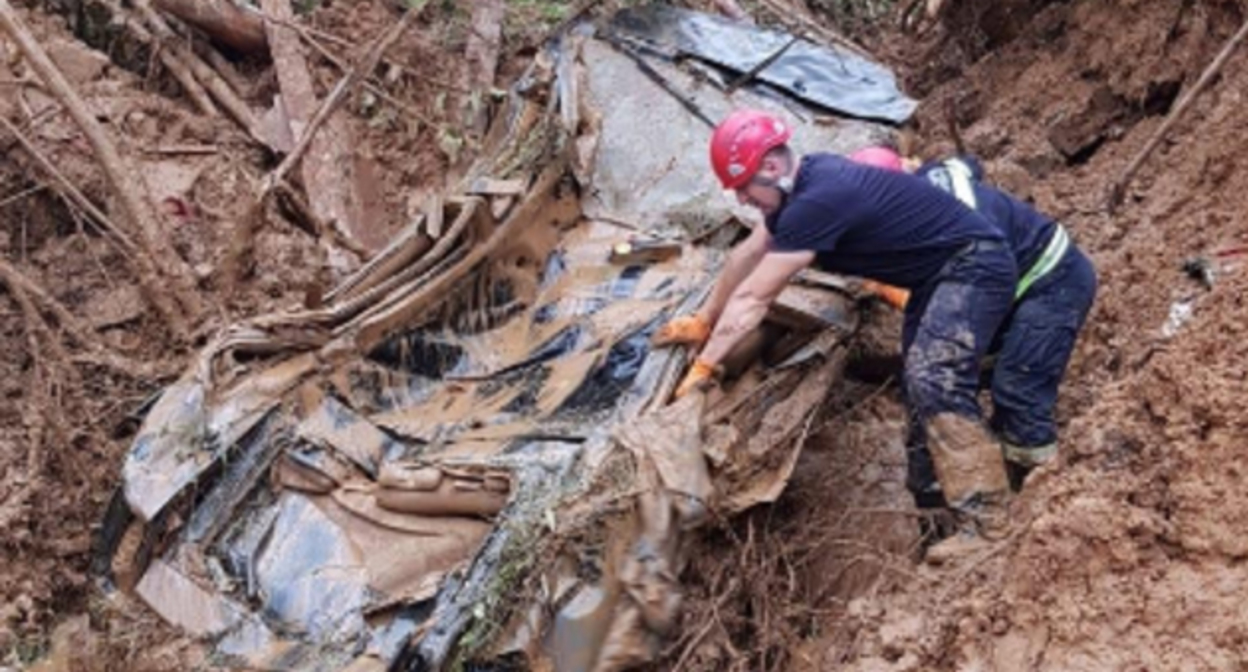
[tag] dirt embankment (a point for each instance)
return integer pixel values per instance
(1127, 554)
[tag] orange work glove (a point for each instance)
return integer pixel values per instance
(686, 330)
(893, 296)
(700, 376)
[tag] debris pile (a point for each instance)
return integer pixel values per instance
(463, 452)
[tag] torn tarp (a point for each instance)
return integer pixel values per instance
(829, 77)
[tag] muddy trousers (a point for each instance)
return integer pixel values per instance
(949, 327)
(1032, 351)
(1032, 348)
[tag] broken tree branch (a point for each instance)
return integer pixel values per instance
(223, 67)
(175, 65)
(17, 282)
(31, 297)
(221, 20)
(175, 298)
(310, 38)
(21, 290)
(335, 98)
(1118, 189)
(70, 191)
(31, 191)
(213, 82)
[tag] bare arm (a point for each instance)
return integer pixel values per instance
(747, 305)
(741, 261)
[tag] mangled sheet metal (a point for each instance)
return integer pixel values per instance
(825, 76)
(468, 455)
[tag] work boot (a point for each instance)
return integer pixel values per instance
(981, 522)
(971, 473)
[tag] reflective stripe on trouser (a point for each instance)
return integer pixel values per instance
(1028, 456)
(1053, 253)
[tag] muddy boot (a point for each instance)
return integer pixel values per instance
(1020, 461)
(966, 458)
(981, 522)
(972, 475)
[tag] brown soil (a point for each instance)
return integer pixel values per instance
(1128, 554)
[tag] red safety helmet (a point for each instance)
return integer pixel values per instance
(880, 157)
(739, 143)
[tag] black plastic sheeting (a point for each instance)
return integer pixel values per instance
(827, 77)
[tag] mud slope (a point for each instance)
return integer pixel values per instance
(1129, 553)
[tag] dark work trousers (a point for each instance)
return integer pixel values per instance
(1034, 347)
(950, 324)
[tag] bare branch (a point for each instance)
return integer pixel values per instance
(123, 178)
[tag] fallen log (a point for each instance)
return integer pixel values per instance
(222, 21)
(207, 76)
(166, 277)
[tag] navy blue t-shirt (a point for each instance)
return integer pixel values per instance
(869, 222)
(1027, 231)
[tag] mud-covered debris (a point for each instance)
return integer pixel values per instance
(831, 77)
(408, 471)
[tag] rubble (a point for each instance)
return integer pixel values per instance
(474, 417)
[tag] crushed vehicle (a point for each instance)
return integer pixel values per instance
(467, 455)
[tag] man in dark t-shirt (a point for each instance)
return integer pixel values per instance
(896, 228)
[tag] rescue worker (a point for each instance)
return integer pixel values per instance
(861, 221)
(1034, 345)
